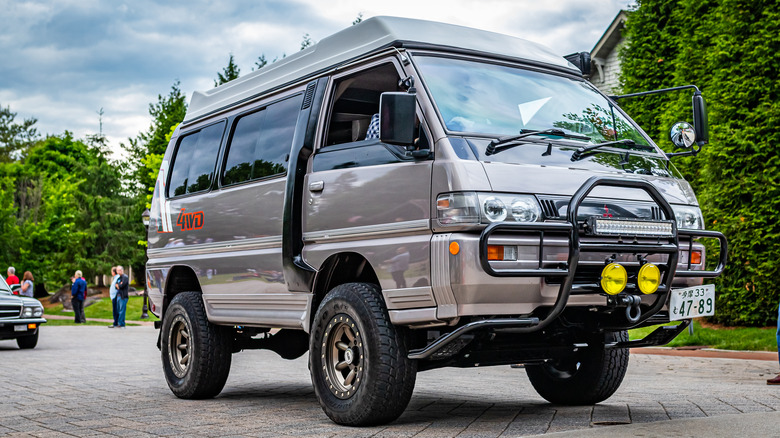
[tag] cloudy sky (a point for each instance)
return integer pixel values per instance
(64, 60)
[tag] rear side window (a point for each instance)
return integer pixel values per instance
(196, 157)
(261, 142)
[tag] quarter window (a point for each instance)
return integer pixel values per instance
(261, 142)
(196, 157)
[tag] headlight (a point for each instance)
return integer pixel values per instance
(474, 208)
(688, 217)
(510, 208)
(38, 312)
(27, 312)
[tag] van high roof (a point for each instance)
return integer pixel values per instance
(370, 36)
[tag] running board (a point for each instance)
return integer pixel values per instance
(443, 341)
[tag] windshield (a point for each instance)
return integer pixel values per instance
(496, 100)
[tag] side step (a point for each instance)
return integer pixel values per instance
(443, 341)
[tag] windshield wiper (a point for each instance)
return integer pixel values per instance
(581, 152)
(494, 146)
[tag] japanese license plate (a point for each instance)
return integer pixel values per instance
(20, 328)
(692, 302)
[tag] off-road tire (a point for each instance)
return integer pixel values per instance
(28, 342)
(208, 346)
(384, 378)
(597, 376)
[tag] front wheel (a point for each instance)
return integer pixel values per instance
(590, 377)
(28, 342)
(196, 354)
(358, 360)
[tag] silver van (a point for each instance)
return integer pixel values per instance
(408, 195)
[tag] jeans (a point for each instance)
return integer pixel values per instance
(78, 310)
(115, 310)
(121, 305)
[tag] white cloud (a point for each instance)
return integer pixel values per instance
(65, 59)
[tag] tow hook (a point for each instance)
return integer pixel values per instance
(633, 311)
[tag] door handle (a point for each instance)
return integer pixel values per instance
(316, 186)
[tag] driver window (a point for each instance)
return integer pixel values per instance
(356, 104)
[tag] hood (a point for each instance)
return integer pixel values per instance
(561, 181)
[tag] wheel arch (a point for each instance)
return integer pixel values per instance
(181, 278)
(345, 267)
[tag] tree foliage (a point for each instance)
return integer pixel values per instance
(15, 137)
(63, 208)
(230, 72)
(729, 49)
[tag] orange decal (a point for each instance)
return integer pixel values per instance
(190, 221)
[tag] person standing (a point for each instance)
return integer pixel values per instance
(11, 279)
(122, 295)
(27, 285)
(78, 293)
(776, 379)
(112, 294)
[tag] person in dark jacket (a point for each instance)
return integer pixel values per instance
(122, 294)
(78, 293)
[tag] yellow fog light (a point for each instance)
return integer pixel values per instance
(649, 278)
(614, 278)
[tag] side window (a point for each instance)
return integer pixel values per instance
(356, 103)
(261, 142)
(195, 159)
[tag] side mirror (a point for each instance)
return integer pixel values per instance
(683, 135)
(396, 118)
(581, 60)
(700, 124)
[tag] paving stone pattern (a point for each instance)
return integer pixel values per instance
(92, 381)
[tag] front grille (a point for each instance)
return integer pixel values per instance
(10, 311)
(555, 207)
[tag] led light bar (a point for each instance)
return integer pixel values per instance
(629, 227)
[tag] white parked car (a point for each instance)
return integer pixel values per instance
(20, 317)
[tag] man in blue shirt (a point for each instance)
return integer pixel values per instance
(78, 293)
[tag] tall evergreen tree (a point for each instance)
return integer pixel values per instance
(230, 72)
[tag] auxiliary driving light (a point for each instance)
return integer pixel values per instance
(649, 278)
(614, 278)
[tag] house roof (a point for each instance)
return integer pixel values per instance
(611, 37)
(369, 36)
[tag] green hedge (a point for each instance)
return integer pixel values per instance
(730, 50)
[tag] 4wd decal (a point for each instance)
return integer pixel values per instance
(190, 221)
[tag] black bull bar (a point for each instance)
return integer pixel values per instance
(576, 247)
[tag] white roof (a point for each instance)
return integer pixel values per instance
(369, 36)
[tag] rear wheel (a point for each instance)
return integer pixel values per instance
(28, 342)
(591, 376)
(196, 354)
(358, 362)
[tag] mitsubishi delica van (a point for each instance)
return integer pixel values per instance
(409, 195)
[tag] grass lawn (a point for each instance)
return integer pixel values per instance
(102, 310)
(725, 338)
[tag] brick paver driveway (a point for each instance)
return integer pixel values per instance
(91, 381)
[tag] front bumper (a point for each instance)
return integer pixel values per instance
(9, 330)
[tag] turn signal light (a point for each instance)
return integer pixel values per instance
(649, 278)
(500, 252)
(31, 326)
(614, 278)
(696, 257)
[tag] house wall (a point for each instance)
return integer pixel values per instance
(611, 71)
